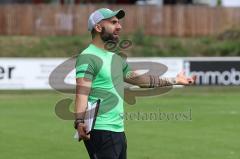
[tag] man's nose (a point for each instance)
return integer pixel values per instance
(119, 27)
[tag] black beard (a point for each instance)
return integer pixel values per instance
(105, 36)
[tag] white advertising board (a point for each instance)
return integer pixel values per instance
(33, 73)
(26, 73)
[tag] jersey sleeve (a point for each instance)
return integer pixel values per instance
(85, 67)
(126, 67)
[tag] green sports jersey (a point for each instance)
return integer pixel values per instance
(106, 70)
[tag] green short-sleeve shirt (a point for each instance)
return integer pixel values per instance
(106, 70)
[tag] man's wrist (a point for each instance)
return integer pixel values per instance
(77, 122)
(172, 80)
(155, 81)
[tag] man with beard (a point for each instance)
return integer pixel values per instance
(100, 74)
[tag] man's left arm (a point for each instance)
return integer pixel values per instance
(152, 81)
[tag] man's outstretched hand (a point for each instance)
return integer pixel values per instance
(181, 79)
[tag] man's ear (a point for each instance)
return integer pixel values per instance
(98, 28)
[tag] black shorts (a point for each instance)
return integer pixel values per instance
(106, 145)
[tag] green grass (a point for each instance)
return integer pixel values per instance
(29, 128)
(225, 44)
(33, 46)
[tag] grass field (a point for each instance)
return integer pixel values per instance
(29, 128)
(225, 44)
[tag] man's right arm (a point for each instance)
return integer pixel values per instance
(83, 88)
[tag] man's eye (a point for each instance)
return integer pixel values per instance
(114, 22)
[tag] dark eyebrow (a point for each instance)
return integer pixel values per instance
(114, 20)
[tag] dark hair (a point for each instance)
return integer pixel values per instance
(93, 33)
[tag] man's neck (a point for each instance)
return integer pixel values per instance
(99, 43)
